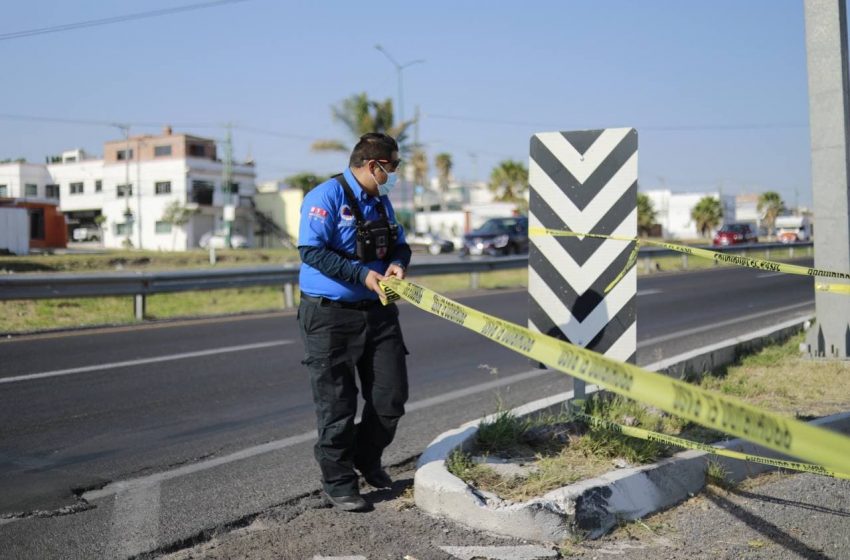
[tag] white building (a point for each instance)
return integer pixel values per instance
(135, 181)
(673, 211)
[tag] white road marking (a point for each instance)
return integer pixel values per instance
(648, 292)
(141, 361)
(339, 557)
(695, 330)
(122, 486)
(135, 521)
(770, 274)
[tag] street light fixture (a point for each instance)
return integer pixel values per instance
(399, 68)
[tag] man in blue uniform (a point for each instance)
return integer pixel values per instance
(349, 240)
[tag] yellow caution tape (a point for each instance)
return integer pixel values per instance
(748, 262)
(834, 288)
(649, 435)
(710, 409)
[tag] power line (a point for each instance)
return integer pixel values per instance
(656, 128)
(114, 19)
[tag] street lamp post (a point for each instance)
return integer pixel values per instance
(400, 114)
(399, 68)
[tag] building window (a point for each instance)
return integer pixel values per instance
(232, 189)
(160, 151)
(163, 227)
(51, 191)
(70, 159)
(122, 190)
(30, 190)
(197, 150)
(122, 154)
(122, 229)
(4, 190)
(76, 188)
(202, 192)
(98, 186)
(162, 187)
(37, 223)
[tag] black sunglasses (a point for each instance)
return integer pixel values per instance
(392, 163)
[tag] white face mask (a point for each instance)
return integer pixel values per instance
(392, 178)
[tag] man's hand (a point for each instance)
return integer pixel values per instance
(395, 270)
(371, 282)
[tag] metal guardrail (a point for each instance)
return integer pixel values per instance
(142, 284)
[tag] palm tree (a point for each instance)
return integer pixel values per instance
(360, 115)
(419, 162)
(708, 213)
(509, 182)
(770, 205)
(305, 181)
(646, 214)
(443, 163)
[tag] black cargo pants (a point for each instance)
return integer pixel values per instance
(339, 339)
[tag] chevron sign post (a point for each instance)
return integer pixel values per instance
(584, 181)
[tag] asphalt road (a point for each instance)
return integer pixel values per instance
(170, 429)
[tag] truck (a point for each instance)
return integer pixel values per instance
(790, 229)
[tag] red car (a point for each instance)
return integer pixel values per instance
(733, 234)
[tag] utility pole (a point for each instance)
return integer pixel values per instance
(829, 110)
(138, 157)
(128, 214)
(229, 211)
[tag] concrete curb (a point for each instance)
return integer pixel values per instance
(590, 508)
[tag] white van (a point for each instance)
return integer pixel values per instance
(790, 229)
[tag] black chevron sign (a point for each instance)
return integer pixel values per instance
(584, 181)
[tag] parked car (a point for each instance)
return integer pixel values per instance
(733, 234)
(218, 240)
(86, 234)
(498, 236)
(433, 243)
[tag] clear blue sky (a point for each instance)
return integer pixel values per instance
(691, 76)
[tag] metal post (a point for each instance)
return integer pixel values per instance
(288, 298)
(791, 252)
(684, 261)
(474, 280)
(829, 111)
(647, 264)
(139, 306)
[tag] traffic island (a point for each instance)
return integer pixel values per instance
(587, 508)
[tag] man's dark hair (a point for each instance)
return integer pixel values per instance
(373, 145)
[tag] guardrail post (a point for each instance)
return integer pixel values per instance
(288, 298)
(647, 264)
(684, 261)
(139, 306)
(767, 254)
(474, 280)
(791, 252)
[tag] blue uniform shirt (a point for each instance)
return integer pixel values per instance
(327, 221)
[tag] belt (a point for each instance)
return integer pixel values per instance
(325, 302)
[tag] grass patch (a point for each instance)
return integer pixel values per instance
(776, 378)
(144, 260)
(676, 263)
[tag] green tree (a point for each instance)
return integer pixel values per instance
(509, 182)
(708, 213)
(305, 181)
(770, 205)
(177, 215)
(360, 115)
(443, 163)
(646, 214)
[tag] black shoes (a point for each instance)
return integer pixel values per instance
(378, 478)
(354, 502)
